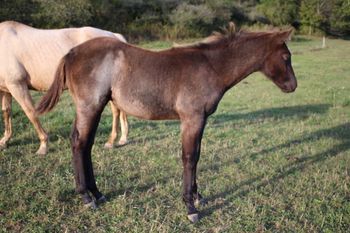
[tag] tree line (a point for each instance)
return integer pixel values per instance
(172, 19)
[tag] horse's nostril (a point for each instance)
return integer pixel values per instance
(291, 85)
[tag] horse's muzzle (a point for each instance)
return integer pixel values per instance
(290, 86)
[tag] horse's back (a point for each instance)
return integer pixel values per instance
(11, 25)
(33, 54)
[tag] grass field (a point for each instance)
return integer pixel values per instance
(270, 161)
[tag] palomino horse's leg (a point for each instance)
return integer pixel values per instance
(21, 93)
(116, 113)
(124, 128)
(191, 133)
(6, 100)
(82, 140)
(114, 132)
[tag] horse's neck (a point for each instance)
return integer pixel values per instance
(235, 64)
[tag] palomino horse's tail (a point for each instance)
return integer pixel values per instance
(52, 96)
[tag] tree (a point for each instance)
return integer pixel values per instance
(340, 18)
(62, 13)
(314, 14)
(280, 12)
(18, 10)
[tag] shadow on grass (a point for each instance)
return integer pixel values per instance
(300, 112)
(64, 130)
(286, 112)
(340, 132)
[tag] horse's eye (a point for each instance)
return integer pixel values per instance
(285, 57)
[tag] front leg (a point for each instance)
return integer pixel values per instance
(191, 132)
(19, 91)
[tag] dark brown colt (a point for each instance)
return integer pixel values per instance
(185, 83)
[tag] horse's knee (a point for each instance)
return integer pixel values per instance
(74, 136)
(79, 142)
(6, 111)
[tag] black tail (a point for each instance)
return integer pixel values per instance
(52, 96)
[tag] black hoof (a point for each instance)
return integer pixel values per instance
(101, 200)
(97, 195)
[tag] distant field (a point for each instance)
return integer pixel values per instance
(270, 161)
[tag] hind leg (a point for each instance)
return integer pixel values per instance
(124, 128)
(6, 100)
(114, 132)
(116, 113)
(21, 93)
(84, 129)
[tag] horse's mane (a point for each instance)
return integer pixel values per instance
(227, 37)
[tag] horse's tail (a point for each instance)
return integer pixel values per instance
(52, 96)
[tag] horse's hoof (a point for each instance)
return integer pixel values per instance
(108, 145)
(91, 205)
(193, 217)
(41, 151)
(101, 200)
(3, 146)
(122, 142)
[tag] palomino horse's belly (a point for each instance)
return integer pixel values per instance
(3, 88)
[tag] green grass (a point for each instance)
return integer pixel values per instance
(270, 162)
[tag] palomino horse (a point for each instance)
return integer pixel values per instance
(29, 58)
(185, 83)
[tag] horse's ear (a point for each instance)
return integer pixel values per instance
(231, 27)
(230, 30)
(284, 36)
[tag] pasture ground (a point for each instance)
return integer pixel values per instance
(270, 161)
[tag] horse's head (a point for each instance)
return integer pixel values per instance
(278, 65)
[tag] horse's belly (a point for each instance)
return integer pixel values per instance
(155, 110)
(3, 88)
(40, 78)
(40, 84)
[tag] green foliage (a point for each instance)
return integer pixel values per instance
(172, 19)
(62, 13)
(340, 19)
(187, 16)
(312, 14)
(18, 10)
(331, 17)
(280, 12)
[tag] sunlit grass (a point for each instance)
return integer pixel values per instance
(270, 161)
